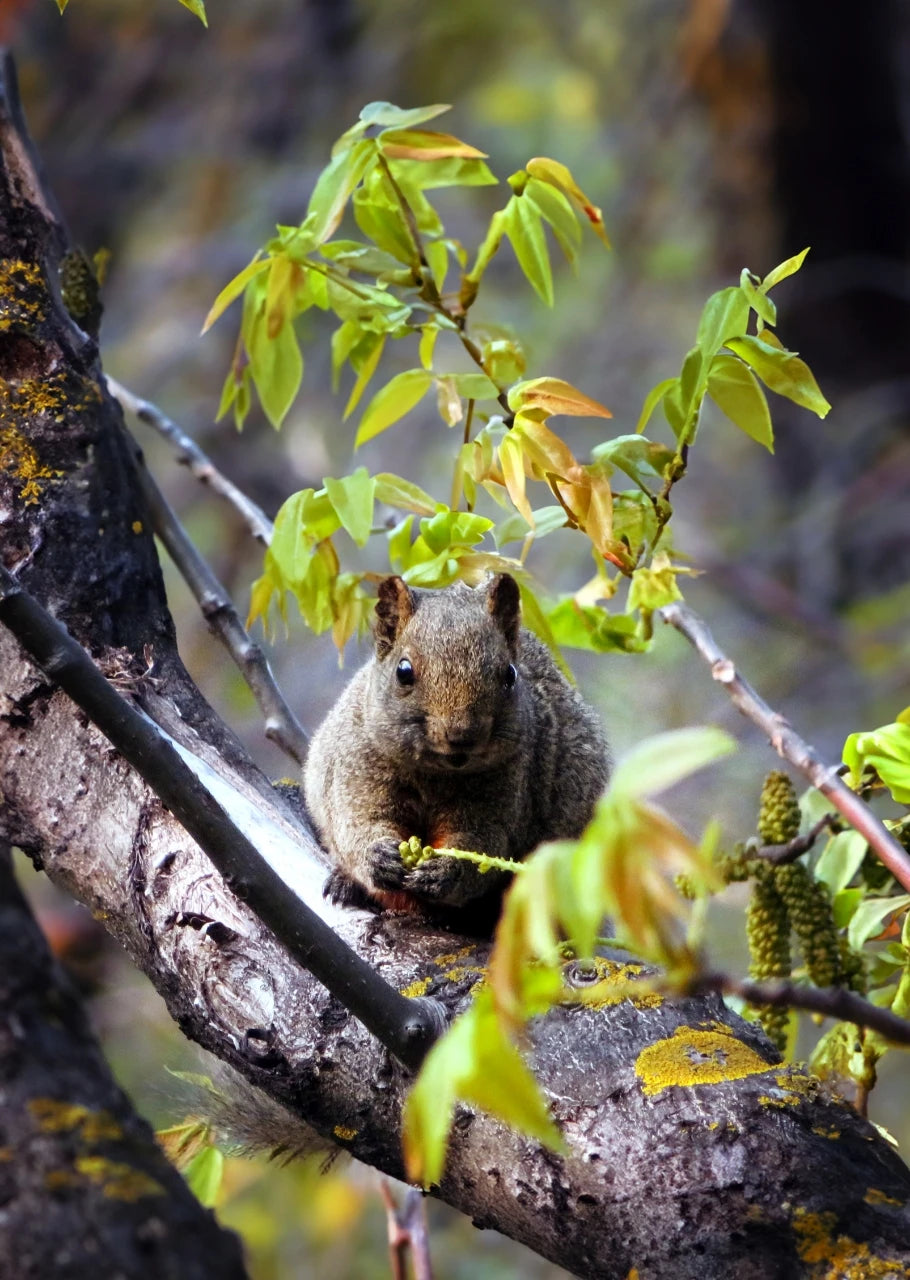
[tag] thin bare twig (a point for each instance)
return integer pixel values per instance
(407, 1229)
(281, 725)
(788, 744)
(190, 455)
(831, 1002)
(780, 854)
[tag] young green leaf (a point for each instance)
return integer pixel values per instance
(334, 187)
(735, 390)
(352, 497)
(841, 860)
(391, 117)
(204, 1174)
(558, 175)
(887, 751)
(392, 402)
(787, 268)
(522, 224)
(552, 205)
(641, 459)
(276, 365)
(870, 916)
(396, 492)
(475, 1063)
(725, 315)
(760, 303)
(662, 761)
(195, 6)
(233, 290)
(781, 371)
(364, 358)
(654, 397)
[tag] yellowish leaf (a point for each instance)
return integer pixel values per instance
(558, 175)
(553, 396)
(422, 144)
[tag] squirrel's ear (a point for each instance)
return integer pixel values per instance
(393, 608)
(504, 603)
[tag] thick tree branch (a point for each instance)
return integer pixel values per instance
(217, 607)
(789, 745)
(190, 455)
(406, 1027)
(68, 1129)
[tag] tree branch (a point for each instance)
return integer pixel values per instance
(831, 1002)
(116, 1207)
(407, 1027)
(281, 725)
(780, 854)
(789, 745)
(190, 455)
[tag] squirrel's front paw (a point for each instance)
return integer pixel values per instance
(434, 877)
(387, 871)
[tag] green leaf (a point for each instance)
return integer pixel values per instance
(594, 628)
(840, 860)
(364, 358)
(725, 315)
(395, 399)
(787, 268)
(233, 290)
(437, 256)
(384, 224)
(389, 116)
(523, 227)
(352, 497)
(474, 386)
(781, 371)
(887, 751)
(758, 301)
(515, 527)
(653, 399)
(276, 365)
(397, 492)
(428, 175)
(666, 759)
(735, 390)
(869, 918)
(334, 187)
(204, 1174)
(641, 459)
(555, 207)
(476, 1063)
(428, 335)
(195, 6)
(653, 586)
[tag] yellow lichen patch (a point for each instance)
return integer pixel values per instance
(452, 957)
(136, 526)
(826, 1133)
(874, 1196)
(344, 1134)
(837, 1257)
(692, 1056)
(17, 280)
(54, 1116)
(18, 457)
(6, 1155)
(60, 1180)
(117, 1181)
(617, 982)
(417, 988)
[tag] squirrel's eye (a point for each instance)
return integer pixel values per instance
(510, 676)
(404, 673)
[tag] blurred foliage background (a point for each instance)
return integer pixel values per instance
(714, 136)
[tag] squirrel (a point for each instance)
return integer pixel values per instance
(460, 730)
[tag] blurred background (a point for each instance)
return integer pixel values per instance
(715, 134)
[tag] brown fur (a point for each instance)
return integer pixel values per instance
(460, 756)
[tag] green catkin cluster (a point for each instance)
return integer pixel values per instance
(809, 909)
(852, 968)
(768, 931)
(79, 290)
(778, 816)
(728, 866)
(875, 874)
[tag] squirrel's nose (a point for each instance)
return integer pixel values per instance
(464, 737)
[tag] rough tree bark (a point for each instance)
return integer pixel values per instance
(693, 1151)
